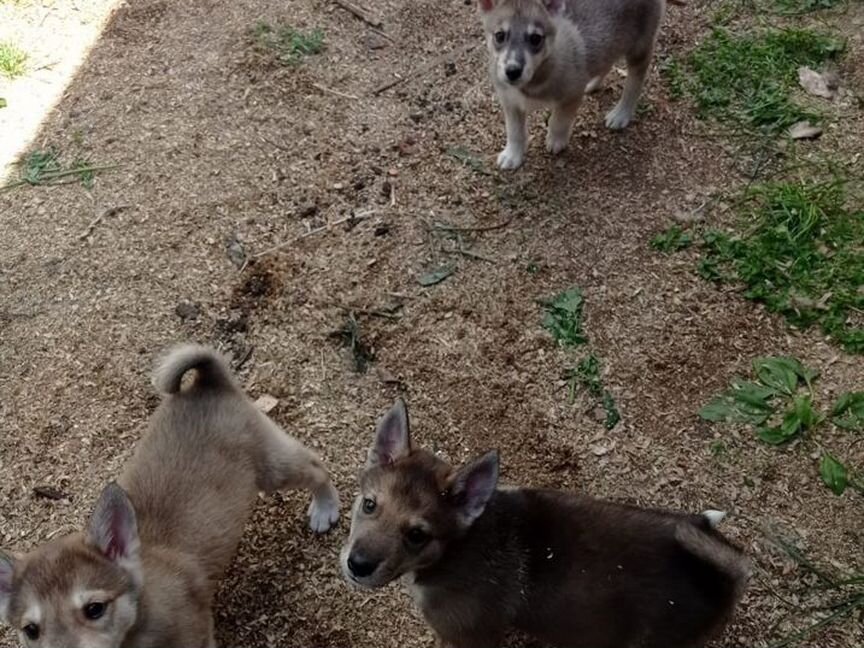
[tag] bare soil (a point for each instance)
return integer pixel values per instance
(220, 147)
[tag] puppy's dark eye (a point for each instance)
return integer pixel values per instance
(32, 631)
(417, 537)
(95, 610)
(535, 40)
(500, 36)
(369, 505)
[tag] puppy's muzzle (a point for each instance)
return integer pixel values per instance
(361, 566)
(513, 72)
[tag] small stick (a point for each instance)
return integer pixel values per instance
(323, 228)
(425, 68)
(473, 255)
(487, 228)
(382, 34)
(327, 90)
(281, 147)
(109, 211)
(359, 12)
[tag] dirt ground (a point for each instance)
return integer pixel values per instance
(219, 148)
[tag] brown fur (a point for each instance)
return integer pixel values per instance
(568, 569)
(155, 551)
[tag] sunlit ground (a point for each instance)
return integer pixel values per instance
(53, 37)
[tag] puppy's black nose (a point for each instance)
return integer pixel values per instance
(361, 566)
(513, 72)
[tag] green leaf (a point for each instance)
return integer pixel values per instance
(3, 103)
(435, 276)
(746, 402)
(834, 474)
(782, 373)
(848, 413)
(563, 318)
(720, 409)
(612, 413)
(773, 435)
(802, 406)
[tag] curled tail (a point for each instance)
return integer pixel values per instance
(702, 540)
(212, 368)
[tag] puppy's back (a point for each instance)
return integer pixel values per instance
(608, 575)
(193, 476)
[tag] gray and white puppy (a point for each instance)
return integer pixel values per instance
(144, 571)
(549, 53)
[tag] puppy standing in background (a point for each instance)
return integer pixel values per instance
(567, 569)
(144, 572)
(549, 53)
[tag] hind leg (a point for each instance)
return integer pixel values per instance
(561, 126)
(637, 71)
(288, 464)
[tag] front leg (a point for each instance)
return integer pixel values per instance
(561, 125)
(517, 136)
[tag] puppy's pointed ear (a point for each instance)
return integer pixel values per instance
(113, 528)
(486, 5)
(392, 437)
(554, 7)
(7, 572)
(473, 485)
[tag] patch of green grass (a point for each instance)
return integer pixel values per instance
(587, 375)
(747, 79)
(43, 168)
(800, 253)
(290, 45)
(563, 318)
(779, 404)
(13, 60)
(349, 336)
(673, 239)
(675, 77)
(798, 7)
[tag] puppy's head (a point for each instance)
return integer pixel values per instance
(80, 591)
(411, 505)
(520, 35)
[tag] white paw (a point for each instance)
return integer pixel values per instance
(510, 158)
(324, 511)
(556, 144)
(594, 85)
(618, 118)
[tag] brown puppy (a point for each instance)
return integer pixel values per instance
(144, 572)
(570, 570)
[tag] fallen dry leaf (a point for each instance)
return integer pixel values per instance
(804, 130)
(815, 83)
(266, 403)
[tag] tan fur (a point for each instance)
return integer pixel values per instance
(192, 483)
(580, 42)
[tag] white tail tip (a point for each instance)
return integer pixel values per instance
(714, 517)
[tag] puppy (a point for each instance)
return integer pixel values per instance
(143, 573)
(568, 570)
(548, 53)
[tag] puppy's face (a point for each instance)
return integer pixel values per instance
(411, 506)
(519, 35)
(80, 591)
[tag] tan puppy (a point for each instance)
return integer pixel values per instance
(549, 53)
(143, 573)
(567, 569)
